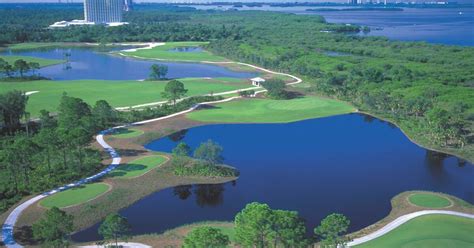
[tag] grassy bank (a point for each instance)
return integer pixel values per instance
(267, 110)
(40, 61)
(428, 231)
(165, 52)
(117, 93)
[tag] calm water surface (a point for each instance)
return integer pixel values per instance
(352, 164)
(88, 64)
(435, 25)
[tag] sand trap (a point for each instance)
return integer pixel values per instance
(148, 46)
(31, 93)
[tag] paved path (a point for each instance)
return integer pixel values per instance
(122, 244)
(400, 221)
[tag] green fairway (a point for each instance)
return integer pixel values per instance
(266, 110)
(429, 231)
(428, 200)
(75, 196)
(164, 52)
(40, 61)
(138, 167)
(117, 93)
(125, 133)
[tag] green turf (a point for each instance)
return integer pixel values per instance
(40, 61)
(163, 52)
(429, 231)
(138, 167)
(34, 45)
(117, 93)
(75, 196)
(266, 110)
(428, 200)
(125, 133)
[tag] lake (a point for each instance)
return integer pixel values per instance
(351, 164)
(85, 63)
(434, 25)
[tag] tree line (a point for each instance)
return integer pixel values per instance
(18, 69)
(257, 225)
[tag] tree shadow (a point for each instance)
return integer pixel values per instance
(207, 106)
(24, 235)
(130, 152)
(124, 169)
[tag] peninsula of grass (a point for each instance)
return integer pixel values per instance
(429, 200)
(271, 111)
(34, 45)
(165, 52)
(138, 167)
(117, 93)
(428, 231)
(75, 196)
(42, 62)
(126, 133)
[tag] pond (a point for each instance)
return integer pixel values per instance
(351, 164)
(85, 63)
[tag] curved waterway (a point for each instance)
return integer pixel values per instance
(351, 164)
(85, 63)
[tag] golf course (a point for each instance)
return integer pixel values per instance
(268, 110)
(75, 196)
(433, 231)
(117, 93)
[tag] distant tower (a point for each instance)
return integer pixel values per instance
(128, 5)
(103, 11)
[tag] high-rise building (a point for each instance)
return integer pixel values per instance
(128, 5)
(103, 11)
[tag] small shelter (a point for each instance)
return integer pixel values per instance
(257, 81)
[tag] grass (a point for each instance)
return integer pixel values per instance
(125, 133)
(33, 45)
(40, 61)
(117, 93)
(429, 231)
(138, 167)
(75, 196)
(428, 200)
(163, 52)
(266, 110)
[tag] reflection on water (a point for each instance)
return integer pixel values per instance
(351, 164)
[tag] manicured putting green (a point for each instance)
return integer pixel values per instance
(138, 167)
(428, 231)
(75, 196)
(428, 200)
(166, 52)
(266, 110)
(125, 133)
(117, 93)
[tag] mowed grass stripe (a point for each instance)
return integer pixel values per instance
(117, 93)
(163, 52)
(428, 200)
(429, 231)
(75, 196)
(138, 167)
(271, 111)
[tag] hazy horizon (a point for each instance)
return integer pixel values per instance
(205, 1)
